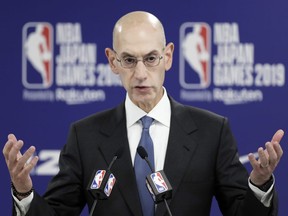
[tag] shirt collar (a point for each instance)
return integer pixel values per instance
(161, 112)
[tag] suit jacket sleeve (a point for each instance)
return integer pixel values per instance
(64, 195)
(229, 169)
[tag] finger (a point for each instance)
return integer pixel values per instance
(29, 166)
(10, 140)
(254, 163)
(278, 149)
(12, 137)
(265, 151)
(7, 148)
(263, 159)
(14, 153)
(22, 161)
(273, 157)
(278, 136)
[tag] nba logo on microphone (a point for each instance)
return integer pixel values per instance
(110, 184)
(98, 179)
(195, 52)
(37, 55)
(159, 182)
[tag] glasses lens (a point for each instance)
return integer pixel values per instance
(128, 62)
(151, 61)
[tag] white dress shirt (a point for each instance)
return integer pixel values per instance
(161, 114)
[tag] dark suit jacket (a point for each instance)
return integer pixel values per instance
(201, 162)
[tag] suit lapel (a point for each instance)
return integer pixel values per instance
(180, 148)
(116, 132)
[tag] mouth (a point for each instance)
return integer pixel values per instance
(142, 88)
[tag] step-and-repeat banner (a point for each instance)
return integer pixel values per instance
(230, 57)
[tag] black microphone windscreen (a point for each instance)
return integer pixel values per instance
(142, 152)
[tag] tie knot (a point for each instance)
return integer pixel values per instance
(146, 121)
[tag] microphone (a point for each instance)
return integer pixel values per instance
(143, 154)
(102, 182)
(156, 182)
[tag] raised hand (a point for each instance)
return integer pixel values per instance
(18, 165)
(268, 160)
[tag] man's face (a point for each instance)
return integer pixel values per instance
(143, 83)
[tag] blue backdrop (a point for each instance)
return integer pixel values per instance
(230, 57)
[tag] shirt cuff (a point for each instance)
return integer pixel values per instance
(264, 197)
(22, 206)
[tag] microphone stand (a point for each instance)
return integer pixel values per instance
(167, 207)
(143, 154)
(117, 155)
(93, 207)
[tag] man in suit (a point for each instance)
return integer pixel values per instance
(195, 147)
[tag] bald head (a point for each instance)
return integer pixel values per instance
(138, 22)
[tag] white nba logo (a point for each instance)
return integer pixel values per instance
(37, 55)
(194, 62)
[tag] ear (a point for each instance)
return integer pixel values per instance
(168, 54)
(110, 54)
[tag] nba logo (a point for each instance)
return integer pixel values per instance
(97, 181)
(110, 184)
(195, 50)
(37, 53)
(159, 182)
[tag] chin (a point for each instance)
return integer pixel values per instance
(144, 99)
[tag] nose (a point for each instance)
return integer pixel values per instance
(140, 71)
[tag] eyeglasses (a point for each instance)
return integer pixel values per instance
(131, 62)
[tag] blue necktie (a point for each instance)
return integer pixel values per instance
(142, 169)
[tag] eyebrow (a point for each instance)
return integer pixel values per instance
(150, 53)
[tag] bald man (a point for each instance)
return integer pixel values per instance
(195, 147)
